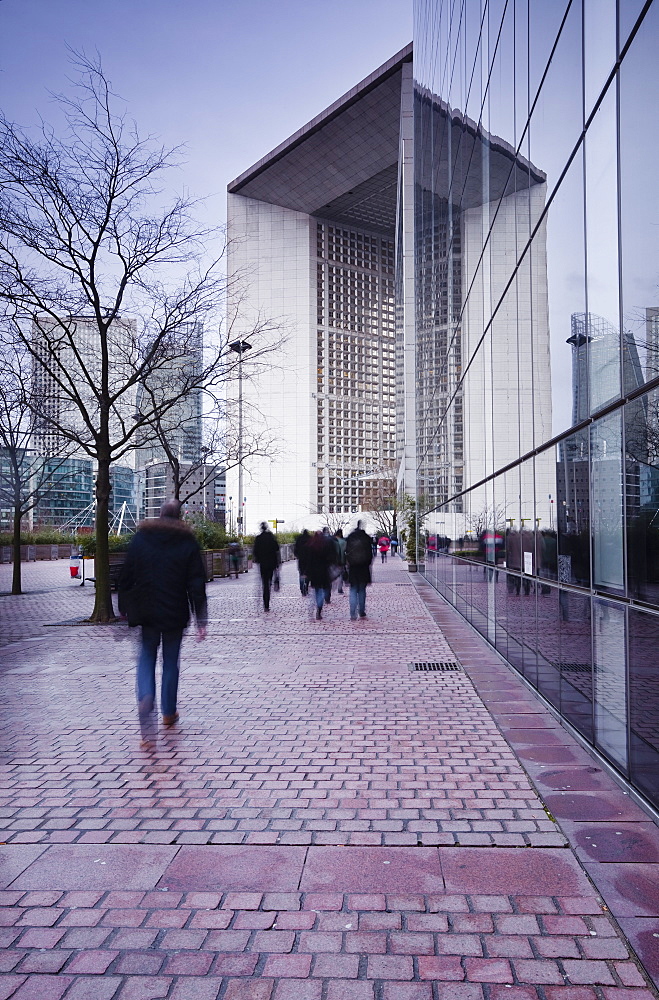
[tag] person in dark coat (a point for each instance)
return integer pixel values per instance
(359, 556)
(300, 553)
(162, 578)
(320, 556)
(265, 552)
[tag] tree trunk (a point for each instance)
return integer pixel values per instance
(103, 610)
(16, 544)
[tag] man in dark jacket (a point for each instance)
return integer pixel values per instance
(265, 552)
(162, 578)
(359, 556)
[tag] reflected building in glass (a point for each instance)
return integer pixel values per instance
(465, 251)
(554, 514)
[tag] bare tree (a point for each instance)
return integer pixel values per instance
(335, 520)
(194, 458)
(380, 500)
(88, 239)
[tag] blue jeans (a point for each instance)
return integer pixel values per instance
(320, 595)
(146, 667)
(357, 599)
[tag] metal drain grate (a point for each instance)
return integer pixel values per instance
(435, 666)
(577, 668)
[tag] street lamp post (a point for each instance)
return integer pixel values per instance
(240, 346)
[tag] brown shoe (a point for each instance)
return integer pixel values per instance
(169, 720)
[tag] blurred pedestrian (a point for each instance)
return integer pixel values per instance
(266, 553)
(300, 553)
(162, 577)
(235, 557)
(320, 556)
(340, 545)
(359, 556)
(383, 546)
(394, 546)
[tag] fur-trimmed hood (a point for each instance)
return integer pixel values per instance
(165, 525)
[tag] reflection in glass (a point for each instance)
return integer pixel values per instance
(644, 702)
(606, 515)
(639, 214)
(549, 657)
(566, 282)
(599, 46)
(610, 694)
(642, 496)
(601, 325)
(573, 509)
(576, 661)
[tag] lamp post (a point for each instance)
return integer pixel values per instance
(240, 346)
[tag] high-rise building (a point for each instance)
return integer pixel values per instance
(316, 227)
(181, 424)
(67, 364)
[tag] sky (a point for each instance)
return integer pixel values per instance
(229, 79)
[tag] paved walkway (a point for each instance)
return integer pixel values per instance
(323, 824)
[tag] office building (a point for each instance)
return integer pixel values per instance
(315, 222)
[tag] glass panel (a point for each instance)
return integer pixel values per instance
(544, 24)
(644, 702)
(557, 115)
(639, 154)
(576, 661)
(600, 325)
(573, 509)
(607, 513)
(549, 647)
(610, 680)
(628, 12)
(501, 86)
(566, 283)
(642, 496)
(599, 46)
(521, 75)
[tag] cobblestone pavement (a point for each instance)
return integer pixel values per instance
(322, 824)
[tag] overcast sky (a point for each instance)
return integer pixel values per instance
(229, 79)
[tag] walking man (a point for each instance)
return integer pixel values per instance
(266, 553)
(162, 578)
(359, 556)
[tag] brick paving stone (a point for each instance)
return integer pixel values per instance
(153, 988)
(338, 989)
(589, 972)
(196, 988)
(336, 966)
(308, 990)
(446, 968)
(258, 989)
(459, 991)
(390, 967)
(294, 966)
(93, 988)
(42, 988)
(488, 970)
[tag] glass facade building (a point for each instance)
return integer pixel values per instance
(536, 294)
(500, 183)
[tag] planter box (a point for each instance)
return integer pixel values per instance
(47, 552)
(28, 553)
(117, 560)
